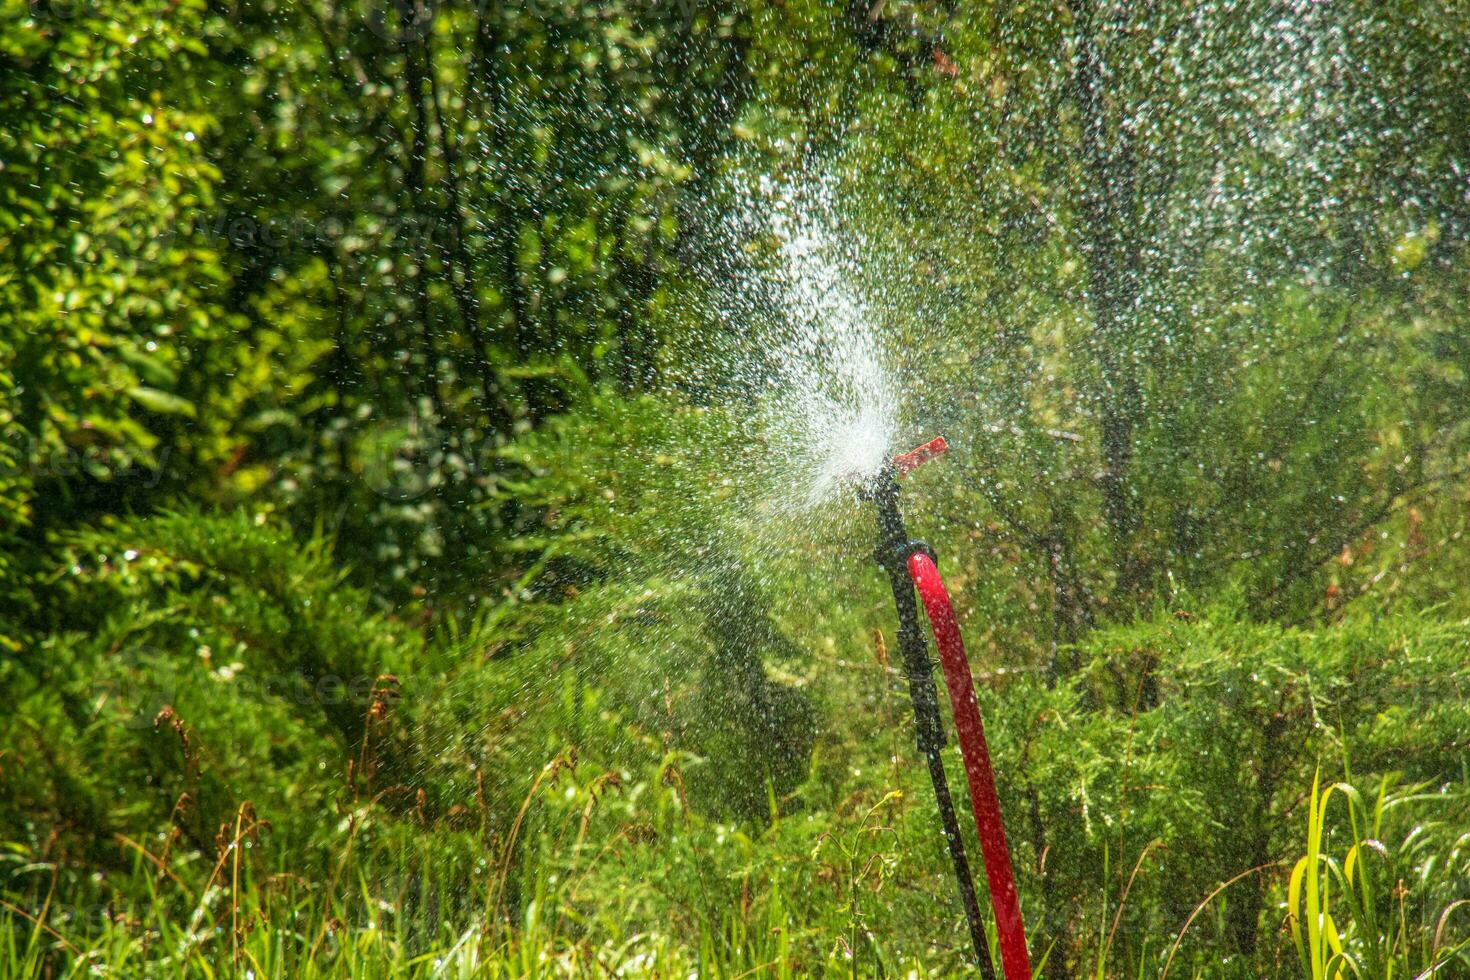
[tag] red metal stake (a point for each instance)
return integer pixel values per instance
(983, 798)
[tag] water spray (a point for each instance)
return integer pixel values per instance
(911, 565)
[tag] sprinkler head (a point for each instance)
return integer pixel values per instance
(894, 545)
(906, 463)
(884, 483)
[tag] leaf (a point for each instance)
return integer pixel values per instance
(150, 369)
(161, 402)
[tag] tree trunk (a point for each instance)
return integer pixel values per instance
(415, 173)
(1109, 208)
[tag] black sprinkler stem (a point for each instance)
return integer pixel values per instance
(893, 553)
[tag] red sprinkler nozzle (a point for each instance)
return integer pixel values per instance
(907, 462)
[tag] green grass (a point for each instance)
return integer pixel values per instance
(379, 915)
(1369, 931)
(509, 817)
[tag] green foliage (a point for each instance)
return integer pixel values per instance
(108, 300)
(194, 663)
(1180, 362)
(639, 585)
(1137, 853)
(474, 206)
(1185, 748)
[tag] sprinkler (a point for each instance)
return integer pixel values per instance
(912, 565)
